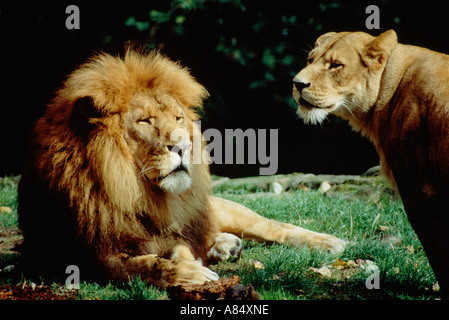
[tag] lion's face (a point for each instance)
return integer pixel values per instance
(132, 120)
(342, 76)
(158, 134)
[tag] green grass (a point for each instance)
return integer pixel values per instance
(134, 289)
(8, 198)
(377, 231)
(403, 267)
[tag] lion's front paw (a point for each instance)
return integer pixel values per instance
(193, 272)
(327, 242)
(226, 246)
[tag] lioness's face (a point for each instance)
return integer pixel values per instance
(337, 80)
(158, 134)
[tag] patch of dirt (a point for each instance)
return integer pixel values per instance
(33, 292)
(230, 289)
(10, 237)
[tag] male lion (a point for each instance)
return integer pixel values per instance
(398, 96)
(111, 188)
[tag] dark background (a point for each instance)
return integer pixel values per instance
(244, 52)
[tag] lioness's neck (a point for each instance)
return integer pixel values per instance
(368, 122)
(403, 66)
(401, 59)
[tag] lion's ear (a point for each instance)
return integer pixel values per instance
(376, 53)
(83, 116)
(321, 39)
(85, 107)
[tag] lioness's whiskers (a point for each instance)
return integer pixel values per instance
(347, 105)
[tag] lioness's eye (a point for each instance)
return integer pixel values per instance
(335, 65)
(309, 60)
(179, 120)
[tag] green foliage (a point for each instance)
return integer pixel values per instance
(245, 37)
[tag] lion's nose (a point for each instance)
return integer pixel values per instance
(300, 85)
(176, 149)
(180, 149)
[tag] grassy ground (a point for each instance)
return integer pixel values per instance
(381, 243)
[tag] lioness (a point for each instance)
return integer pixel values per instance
(398, 96)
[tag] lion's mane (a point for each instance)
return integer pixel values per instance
(81, 196)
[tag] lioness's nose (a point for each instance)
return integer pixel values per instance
(300, 85)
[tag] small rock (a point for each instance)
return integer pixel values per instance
(436, 287)
(324, 187)
(9, 268)
(410, 249)
(324, 271)
(5, 210)
(394, 240)
(256, 264)
(372, 171)
(276, 188)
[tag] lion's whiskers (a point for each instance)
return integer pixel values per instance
(145, 167)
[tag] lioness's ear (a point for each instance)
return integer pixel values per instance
(321, 39)
(377, 51)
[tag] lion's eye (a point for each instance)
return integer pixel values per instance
(335, 65)
(146, 121)
(309, 60)
(179, 120)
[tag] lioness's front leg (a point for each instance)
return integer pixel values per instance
(180, 269)
(237, 219)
